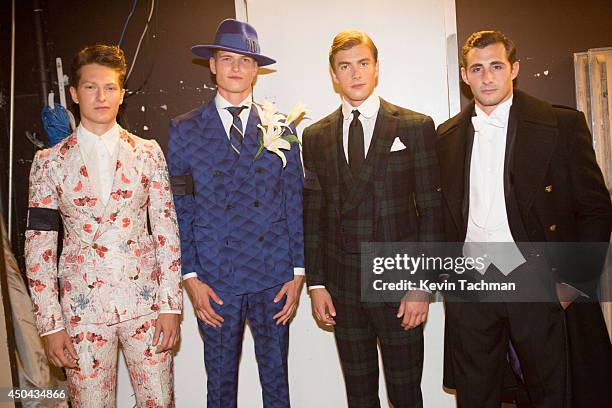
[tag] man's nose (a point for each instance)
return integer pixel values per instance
(101, 94)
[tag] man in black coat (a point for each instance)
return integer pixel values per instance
(515, 169)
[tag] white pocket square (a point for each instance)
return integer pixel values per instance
(397, 145)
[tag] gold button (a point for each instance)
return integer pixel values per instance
(548, 189)
(553, 227)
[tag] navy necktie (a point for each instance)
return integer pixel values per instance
(236, 133)
(356, 149)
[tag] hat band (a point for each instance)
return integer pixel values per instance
(237, 41)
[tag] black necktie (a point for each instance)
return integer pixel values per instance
(356, 150)
(235, 132)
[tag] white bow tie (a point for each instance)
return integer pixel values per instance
(480, 122)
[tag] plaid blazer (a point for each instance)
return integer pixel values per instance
(403, 185)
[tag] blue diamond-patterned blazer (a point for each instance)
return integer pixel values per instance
(241, 226)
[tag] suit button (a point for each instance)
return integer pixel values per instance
(216, 173)
(228, 207)
(548, 188)
(259, 170)
(260, 239)
(553, 227)
(256, 204)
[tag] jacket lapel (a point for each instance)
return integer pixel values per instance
(333, 146)
(536, 137)
(385, 131)
(83, 191)
(454, 149)
(216, 140)
(122, 188)
(250, 144)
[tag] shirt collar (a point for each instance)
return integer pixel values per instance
(89, 139)
(501, 112)
(222, 103)
(368, 108)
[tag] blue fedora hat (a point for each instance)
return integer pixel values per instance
(234, 36)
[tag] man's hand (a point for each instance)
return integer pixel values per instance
(322, 306)
(200, 294)
(292, 289)
(566, 294)
(413, 308)
(60, 350)
(169, 324)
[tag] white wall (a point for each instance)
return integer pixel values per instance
(411, 36)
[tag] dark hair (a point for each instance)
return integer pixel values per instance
(482, 39)
(348, 39)
(110, 56)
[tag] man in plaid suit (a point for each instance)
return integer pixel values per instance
(371, 175)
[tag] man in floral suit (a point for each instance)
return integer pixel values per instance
(117, 282)
(240, 217)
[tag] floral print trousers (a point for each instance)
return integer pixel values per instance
(94, 382)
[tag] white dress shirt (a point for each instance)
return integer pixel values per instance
(228, 119)
(368, 111)
(100, 157)
(487, 216)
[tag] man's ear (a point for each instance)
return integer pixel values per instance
(213, 66)
(333, 74)
(122, 96)
(464, 76)
(74, 95)
(515, 69)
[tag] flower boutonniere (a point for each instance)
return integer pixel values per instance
(274, 127)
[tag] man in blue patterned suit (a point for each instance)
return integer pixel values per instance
(240, 220)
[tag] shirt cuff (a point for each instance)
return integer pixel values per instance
(190, 275)
(299, 271)
(316, 287)
(52, 331)
(581, 293)
(170, 312)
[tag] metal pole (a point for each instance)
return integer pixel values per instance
(40, 51)
(11, 123)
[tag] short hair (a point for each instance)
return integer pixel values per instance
(482, 39)
(110, 56)
(348, 39)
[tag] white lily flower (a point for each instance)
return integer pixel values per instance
(275, 147)
(298, 110)
(273, 126)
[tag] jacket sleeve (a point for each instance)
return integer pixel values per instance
(165, 233)
(41, 246)
(584, 263)
(179, 169)
(428, 198)
(591, 197)
(314, 201)
(293, 181)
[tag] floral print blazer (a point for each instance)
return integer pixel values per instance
(110, 269)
